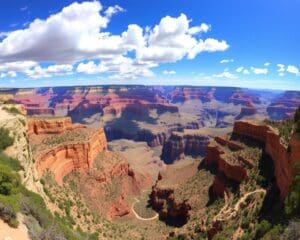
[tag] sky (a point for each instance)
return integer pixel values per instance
(243, 43)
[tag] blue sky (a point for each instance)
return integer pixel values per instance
(168, 42)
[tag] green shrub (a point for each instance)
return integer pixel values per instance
(262, 228)
(9, 181)
(13, 110)
(297, 120)
(5, 139)
(292, 201)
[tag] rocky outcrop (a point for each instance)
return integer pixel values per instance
(51, 125)
(247, 111)
(40, 111)
(64, 158)
(171, 210)
(216, 157)
(21, 150)
(284, 106)
(112, 180)
(283, 157)
(184, 143)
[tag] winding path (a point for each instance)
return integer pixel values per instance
(227, 212)
(138, 216)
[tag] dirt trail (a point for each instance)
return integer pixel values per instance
(227, 212)
(138, 216)
(9, 233)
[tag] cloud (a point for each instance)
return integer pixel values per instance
(77, 36)
(208, 45)
(242, 70)
(239, 69)
(112, 10)
(246, 72)
(171, 40)
(199, 29)
(171, 72)
(225, 74)
(70, 35)
(52, 70)
(267, 64)
(120, 67)
(226, 61)
(281, 67)
(292, 69)
(10, 74)
(259, 70)
(20, 66)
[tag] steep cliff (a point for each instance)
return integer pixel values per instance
(51, 125)
(64, 157)
(183, 143)
(21, 149)
(283, 157)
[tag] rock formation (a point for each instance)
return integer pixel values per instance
(284, 106)
(170, 210)
(188, 142)
(51, 125)
(284, 158)
(65, 157)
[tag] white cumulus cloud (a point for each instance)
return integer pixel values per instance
(226, 61)
(169, 72)
(225, 74)
(78, 37)
(292, 69)
(259, 70)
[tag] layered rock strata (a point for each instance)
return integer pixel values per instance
(284, 157)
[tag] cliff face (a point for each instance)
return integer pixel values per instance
(284, 106)
(171, 210)
(283, 158)
(64, 158)
(216, 157)
(21, 150)
(51, 125)
(181, 143)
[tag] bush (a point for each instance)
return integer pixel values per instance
(8, 215)
(297, 120)
(5, 139)
(262, 228)
(9, 181)
(13, 110)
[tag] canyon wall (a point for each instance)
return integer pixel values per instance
(173, 211)
(217, 157)
(183, 143)
(51, 125)
(64, 158)
(284, 158)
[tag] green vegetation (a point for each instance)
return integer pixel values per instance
(297, 120)
(5, 139)
(13, 110)
(15, 198)
(284, 127)
(292, 202)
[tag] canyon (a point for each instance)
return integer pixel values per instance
(193, 156)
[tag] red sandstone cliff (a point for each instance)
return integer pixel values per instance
(216, 157)
(51, 125)
(64, 158)
(184, 143)
(283, 158)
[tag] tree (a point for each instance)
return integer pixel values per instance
(297, 120)
(5, 139)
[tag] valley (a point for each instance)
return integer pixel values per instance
(153, 162)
